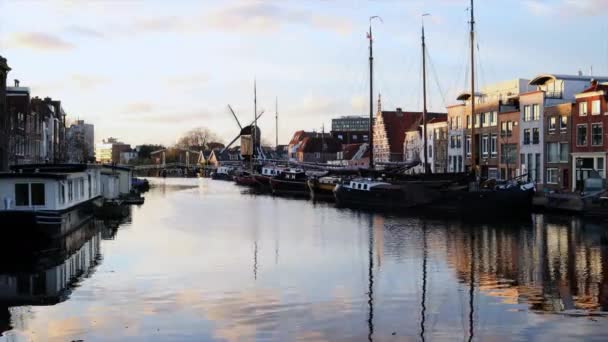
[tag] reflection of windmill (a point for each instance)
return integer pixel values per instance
(247, 134)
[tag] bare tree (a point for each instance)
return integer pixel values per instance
(199, 137)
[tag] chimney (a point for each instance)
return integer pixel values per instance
(16, 83)
(399, 110)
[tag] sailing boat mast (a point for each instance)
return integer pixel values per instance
(424, 109)
(371, 92)
(473, 153)
(255, 123)
(276, 122)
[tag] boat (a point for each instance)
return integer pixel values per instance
(591, 202)
(323, 187)
(223, 173)
(245, 178)
(290, 182)
(267, 173)
(49, 199)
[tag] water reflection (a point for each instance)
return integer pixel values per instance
(47, 274)
(202, 261)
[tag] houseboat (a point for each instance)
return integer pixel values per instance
(369, 193)
(223, 173)
(267, 173)
(245, 178)
(290, 182)
(52, 199)
(591, 202)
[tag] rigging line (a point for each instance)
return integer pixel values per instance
(436, 78)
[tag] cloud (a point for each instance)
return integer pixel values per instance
(258, 16)
(88, 81)
(40, 41)
(567, 7)
(138, 107)
(188, 80)
(84, 31)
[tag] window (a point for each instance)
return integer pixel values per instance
(477, 120)
(22, 196)
(317, 155)
(508, 153)
(484, 145)
(494, 145)
(458, 123)
(61, 193)
(553, 152)
(595, 107)
(552, 124)
(537, 167)
(485, 119)
(527, 114)
(450, 161)
(527, 136)
(552, 176)
(468, 145)
(564, 152)
(452, 141)
(459, 141)
(503, 128)
(581, 135)
(494, 119)
(431, 151)
(70, 191)
(468, 121)
(600, 166)
(37, 190)
(492, 173)
(597, 134)
(563, 123)
(582, 108)
(535, 112)
(535, 135)
(459, 163)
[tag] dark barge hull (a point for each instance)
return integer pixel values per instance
(221, 176)
(484, 204)
(296, 188)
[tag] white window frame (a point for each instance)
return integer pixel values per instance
(593, 107)
(601, 135)
(494, 145)
(552, 171)
(535, 112)
(485, 148)
(583, 108)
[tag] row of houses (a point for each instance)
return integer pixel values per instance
(549, 129)
(33, 129)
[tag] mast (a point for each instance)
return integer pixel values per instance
(276, 122)
(473, 159)
(255, 123)
(424, 110)
(371, 96)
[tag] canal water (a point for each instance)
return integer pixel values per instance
(203, 260)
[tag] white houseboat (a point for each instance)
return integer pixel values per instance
(52, 198)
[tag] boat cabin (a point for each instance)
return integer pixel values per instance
(365, 184)
(294, 173)
(224, 170)
(271, 171)
(48, 187)
(125, 177)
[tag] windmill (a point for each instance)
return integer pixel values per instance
(245, 134)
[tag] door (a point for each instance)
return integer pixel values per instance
(566, 179)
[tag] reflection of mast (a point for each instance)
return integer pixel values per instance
(472, 287)
(370, 290)
(255, 260)
(424, 262)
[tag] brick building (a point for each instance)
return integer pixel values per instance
(557, 136)
(589, 145)
(508, 144)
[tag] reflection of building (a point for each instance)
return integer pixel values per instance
(551, 267)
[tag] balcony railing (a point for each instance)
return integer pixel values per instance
(554, 94)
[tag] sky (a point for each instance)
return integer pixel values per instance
(148, 71)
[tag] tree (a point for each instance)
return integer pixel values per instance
(197, 137)
(145, 150)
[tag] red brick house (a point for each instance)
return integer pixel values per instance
(589, 142)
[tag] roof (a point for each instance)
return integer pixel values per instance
(543, 78)
(437, 120)
(350, 150)
(299, 136)
(464, 96)
(396, 123)
(596, 86)
(51, 168)
(327, 144)
(42, 175)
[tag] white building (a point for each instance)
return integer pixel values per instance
(103, 153)
(81, 142)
